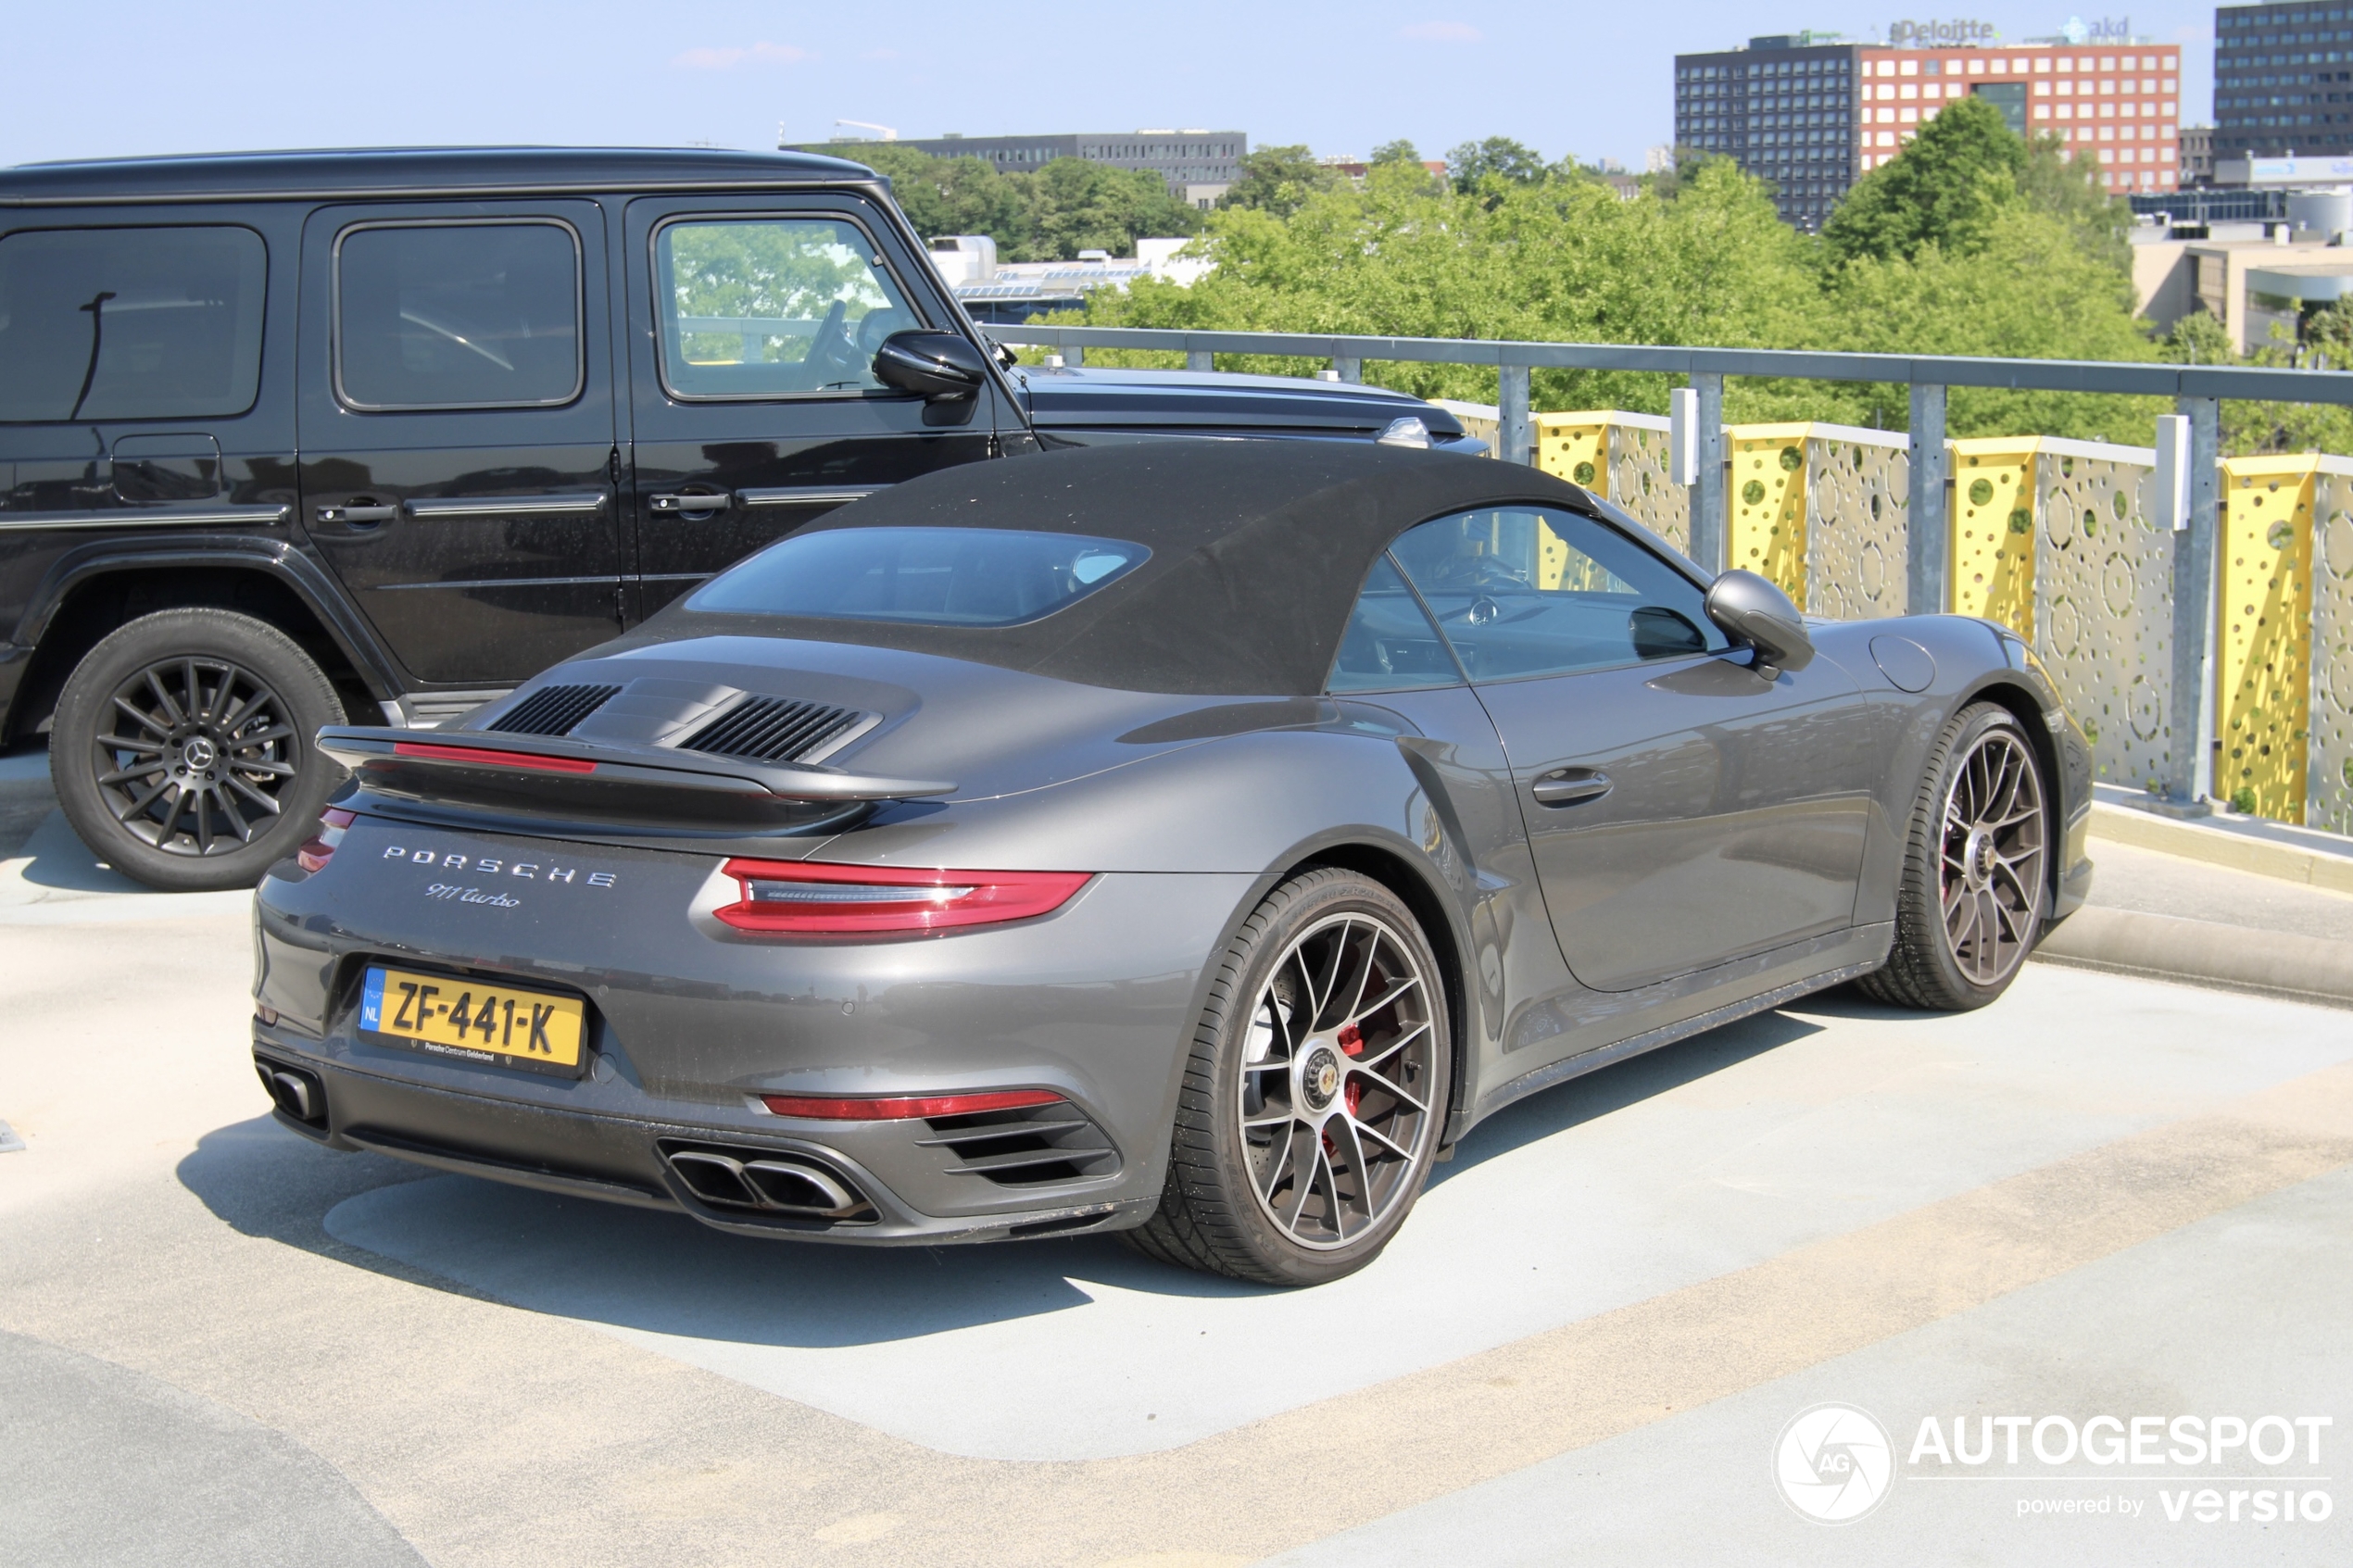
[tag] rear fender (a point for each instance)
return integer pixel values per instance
(49, 611)
(1270, 804)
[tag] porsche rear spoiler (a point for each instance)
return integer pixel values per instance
(545, 776)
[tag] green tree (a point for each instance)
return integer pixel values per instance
(1499, 156)
(2329, 331)
(958, 195)
(2198, 339)
(2247, 426)
(1049, 214)
(2026, 289)
(1073, 204)
(1945, 189)
(1279, 180)
(1701, 260)
(1407, 256)
(2070, 190)
(1399, 151)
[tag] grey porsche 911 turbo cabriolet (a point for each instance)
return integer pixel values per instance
(1190, 840)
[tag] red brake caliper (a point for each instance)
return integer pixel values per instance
(1352, 1041)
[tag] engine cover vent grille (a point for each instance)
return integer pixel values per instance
(553, 711)
(1029, 1146)
(772, 729)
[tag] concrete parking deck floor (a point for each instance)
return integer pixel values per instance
(221, 1344)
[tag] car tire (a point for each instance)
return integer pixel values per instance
(1976, 878)
(185, 748)
(1327, 1022)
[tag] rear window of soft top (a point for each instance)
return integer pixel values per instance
(922, 576)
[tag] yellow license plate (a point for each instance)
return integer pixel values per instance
(456, 1017)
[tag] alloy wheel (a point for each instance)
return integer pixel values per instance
(193, 756)
(1992, 864)
(1333, 1096)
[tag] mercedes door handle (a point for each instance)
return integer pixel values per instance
(1570, 786)
(358, 517)
(680, 506)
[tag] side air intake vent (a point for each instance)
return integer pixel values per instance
(1029, 1146)
(773, 729)
(553, 711)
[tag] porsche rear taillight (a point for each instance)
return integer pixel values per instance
(313, 856)
(791, 897)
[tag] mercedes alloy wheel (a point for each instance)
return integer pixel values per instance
(183, 750)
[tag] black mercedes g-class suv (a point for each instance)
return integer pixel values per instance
(289, 440)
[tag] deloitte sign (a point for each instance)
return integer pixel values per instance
(1939, 35)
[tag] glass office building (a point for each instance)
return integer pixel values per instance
(1783, 108)
(2283, 80)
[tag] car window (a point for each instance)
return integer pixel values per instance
(130, 323)
(1532, 591)
(771, 307)
(928, 576)
(458, 315)
(1388, 644)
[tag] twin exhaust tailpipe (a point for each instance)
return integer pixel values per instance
(296, 1094)
(772, 1183)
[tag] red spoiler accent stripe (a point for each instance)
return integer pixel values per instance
(491, 759)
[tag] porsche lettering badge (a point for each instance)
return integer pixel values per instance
(490, 865)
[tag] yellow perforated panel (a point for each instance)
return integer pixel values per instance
(2262, 677)
(1992, 530)
(1639, 481)
(1575, 447)
(2328, 789)
(1855, 527)
(1552, 561)
(1766, 504)
(2103, 616)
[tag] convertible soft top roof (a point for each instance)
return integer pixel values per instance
(1259, 548)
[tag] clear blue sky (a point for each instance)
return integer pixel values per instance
(95, 79)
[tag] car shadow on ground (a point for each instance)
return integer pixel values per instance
(1621, 1083)
(668, 1274)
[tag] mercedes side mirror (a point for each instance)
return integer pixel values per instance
(1757, 614)
(941, 365)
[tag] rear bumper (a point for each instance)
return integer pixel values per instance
(690, 1024)
(623, 1160)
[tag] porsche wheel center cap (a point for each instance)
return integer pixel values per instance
(1319, 1078)
(1978, 858)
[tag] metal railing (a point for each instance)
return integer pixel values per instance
(2197, 392)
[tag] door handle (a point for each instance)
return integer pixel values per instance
(681, 505)
(1570, 786)
(358, 517)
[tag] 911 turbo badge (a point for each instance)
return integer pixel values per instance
(1315, 803)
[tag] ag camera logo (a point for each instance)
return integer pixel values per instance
(1833, 1463)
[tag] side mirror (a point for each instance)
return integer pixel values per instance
(1754, 612)
(941, 365)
